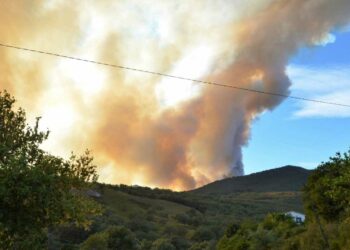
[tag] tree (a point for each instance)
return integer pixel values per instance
(38, 190)
(276, 231)
(115, 237)
(121, 238)
(327, 192)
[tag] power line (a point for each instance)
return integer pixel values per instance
(173, 76)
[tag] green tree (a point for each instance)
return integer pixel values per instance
(274, 232)
(121, 238)
(327, 199)
(327, 192)
(115, 237)
(38, 190)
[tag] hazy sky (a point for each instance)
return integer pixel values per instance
(301, 133)
(159, 131)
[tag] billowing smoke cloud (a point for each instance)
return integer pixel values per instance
(147, 129)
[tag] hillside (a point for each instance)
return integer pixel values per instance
(195, 217)
(284, 179)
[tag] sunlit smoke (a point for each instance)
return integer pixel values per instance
(149, 129)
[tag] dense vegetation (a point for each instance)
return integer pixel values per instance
(47, 202)
(37, 190)
(327, 204)
(163, 219)
(274, 232)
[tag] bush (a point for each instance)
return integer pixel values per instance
(96, 241)
(272, 233)
(202, 233)
(115, 237)
(162, 244)
(121, 238)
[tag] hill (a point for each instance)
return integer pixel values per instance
(195, 218)
(284, 179)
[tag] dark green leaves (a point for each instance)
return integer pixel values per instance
(327, 192)
(38, 190)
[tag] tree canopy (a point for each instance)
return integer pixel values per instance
(38, 190)
(327, 192)
(114, 237)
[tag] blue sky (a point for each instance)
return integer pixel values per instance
(301, 133)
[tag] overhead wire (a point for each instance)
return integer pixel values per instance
(122, 67)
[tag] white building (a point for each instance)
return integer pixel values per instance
(297, 217)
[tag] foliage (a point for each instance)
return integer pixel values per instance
(96, 241)
(271, 233)
(180, 243)
(327, 202)
(327, 192)
(37, 190)
(121, 238)
(162, 244)
(164, 194)
(231, 229)
(190, 217)
(202, 233)
(149, 217)
(115, 237)
(204, 245)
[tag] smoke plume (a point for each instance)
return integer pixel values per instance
(148, 129)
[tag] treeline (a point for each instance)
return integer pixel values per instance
(182, 198)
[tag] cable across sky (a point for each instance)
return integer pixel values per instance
(172, 76)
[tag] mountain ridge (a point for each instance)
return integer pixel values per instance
(281, 179)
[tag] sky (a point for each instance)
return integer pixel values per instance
(303, 134)
(158, 131)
